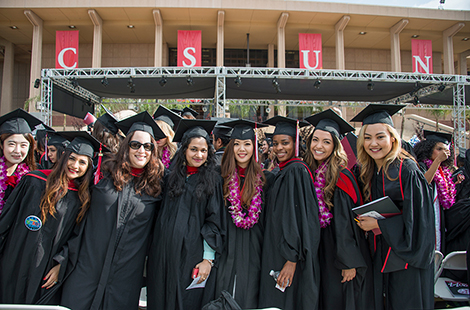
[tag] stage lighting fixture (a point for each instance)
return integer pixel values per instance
(131, 85)
(276, 85)
(370, 85)
(238, 81)
(441, 87)
(74, 82)
(163, 81)
(105, 82)
(317, 84)
(415, 100)
(189, 80)
(37, 83)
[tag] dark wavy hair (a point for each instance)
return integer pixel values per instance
(425, 148)
(60, 152)
(207, 172)
(29, 160)
(120, 169)
(57, 187)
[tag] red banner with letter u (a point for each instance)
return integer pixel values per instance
(66, 49)
(189, 48)
(421, 52)
(310, 51)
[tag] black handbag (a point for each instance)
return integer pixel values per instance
(224, 302)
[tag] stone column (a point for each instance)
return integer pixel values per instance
(220, 38)
(158, 61)
(339, 37)
(447, 37)
(6, 99)
(165, 55)
(270, 63)
(97, 38)
(36, 56)
(395, 31)
(281, 49)
(463, 62)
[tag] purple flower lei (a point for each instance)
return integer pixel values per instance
(21, 170)
(166, 156)
(236, 209)
(324, 214)
(445, 186)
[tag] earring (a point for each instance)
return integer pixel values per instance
(205, 164)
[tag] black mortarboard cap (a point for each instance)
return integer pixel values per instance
(445, 138)
(44, 127)
(142, 122)
(177, 111)
(243, 129)
(167, 116)
(331, 122)
(187, 110)
(188, 128)
(18, 122)
(285, 125)
(109, 121)
(268, 135)
(82, 143)
(56, 139)
(221, 131)
(378, 113)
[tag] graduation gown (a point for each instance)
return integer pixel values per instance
(182, 225)
(292, 234)
(404, 252)
(463, 188)
(111, 251)
(26, 256)
(240, 262)
(343, 246)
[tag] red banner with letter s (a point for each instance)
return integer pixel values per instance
(310, 51)
(189, 48)
(66, 49)
(421, 52)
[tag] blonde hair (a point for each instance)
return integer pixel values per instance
(367, 163)
(169, 133)
(337, 161)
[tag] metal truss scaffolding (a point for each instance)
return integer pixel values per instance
(459, 115)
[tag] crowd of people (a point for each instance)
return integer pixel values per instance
(201, 207)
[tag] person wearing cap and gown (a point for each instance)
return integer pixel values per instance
(346, 265)
(402, 245)
(106, 131)
(189, 113)
(56, 145)
(167, 120)
(292, 230)
(463, 188)
(220, 137)
(245, 189)
(38, 219)
(190, 229)
(108, 256)
(435, 160)
(16, 150)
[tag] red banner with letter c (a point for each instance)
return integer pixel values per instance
(189, 48)
(421, 52)
(66, 49)
(310, 51)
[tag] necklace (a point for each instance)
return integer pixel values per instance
(21, 170)
(236, 210)
(166, 157)
(445, 185)
(324, 214)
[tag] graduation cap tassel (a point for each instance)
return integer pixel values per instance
(297, 142)
(255, 148)
(45, 147)
(98, 168)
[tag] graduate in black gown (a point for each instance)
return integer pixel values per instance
(37, 221)
(108, 256)
(245, 188)
(190, 227)
(167, 120)
(292, 233)
(463, 188)
(345, 261)
(56, 145)
(404, 244)
(16, 150)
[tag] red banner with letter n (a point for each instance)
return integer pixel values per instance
(189, 48)
(310, 51)
(66, 49)
(421, 52)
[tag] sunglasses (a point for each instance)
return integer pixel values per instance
(135, 145)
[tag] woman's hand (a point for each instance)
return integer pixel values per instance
(443, 155)
(51, 277)
(459, 179)
(286, 276)
(367, 223)
(204, 270)
(348, 274)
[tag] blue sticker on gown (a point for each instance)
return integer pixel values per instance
(33, 223)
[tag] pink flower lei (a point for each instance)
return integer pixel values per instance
(166, 156)
(236, 209)
(324, 214)
(21, 170)
(445, 186)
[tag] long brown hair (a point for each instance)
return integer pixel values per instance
(169, 133)
(29, 160)
(102, 134)
(57, 188)
(120, 169)
(337, 161)
(367, 163)
(229, 166)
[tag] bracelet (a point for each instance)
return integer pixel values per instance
(211, 261)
